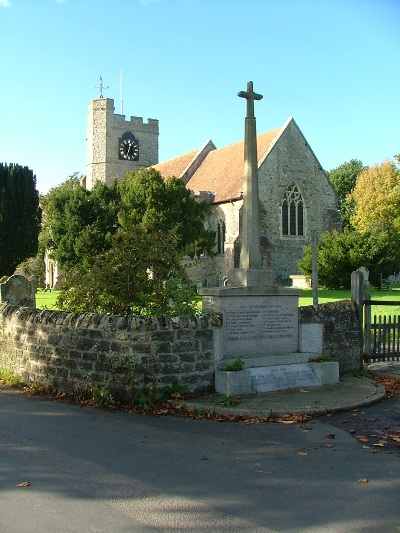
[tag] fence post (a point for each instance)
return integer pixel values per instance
(357, 296)
(367, 326)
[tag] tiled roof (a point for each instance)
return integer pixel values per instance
(177, 166)
(222, 169)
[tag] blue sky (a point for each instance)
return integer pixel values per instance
(333, 65)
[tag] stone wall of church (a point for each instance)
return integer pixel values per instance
(292, 160)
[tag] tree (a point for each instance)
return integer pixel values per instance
(79, 223)
(132, 277)
(344, 179)
(376, 198)
(339, 254)
(157, 205)
(20, 216)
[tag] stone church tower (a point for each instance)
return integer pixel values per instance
(114, 145)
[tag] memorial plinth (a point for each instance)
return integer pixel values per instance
(256, 321)
(260, 326)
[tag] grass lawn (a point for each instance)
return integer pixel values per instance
(325, 295)
(47, 300)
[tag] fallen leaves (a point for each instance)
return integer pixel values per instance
(390, 383)
(375, 432)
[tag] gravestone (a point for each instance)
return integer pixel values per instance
(365, 273)
(18, 290)
(259, 319)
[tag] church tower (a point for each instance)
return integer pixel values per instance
(114, 145)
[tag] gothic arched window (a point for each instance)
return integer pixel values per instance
(292, 212)
(221, 237)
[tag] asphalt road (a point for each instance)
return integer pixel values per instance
(91, 470)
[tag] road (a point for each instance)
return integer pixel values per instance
(95, 471)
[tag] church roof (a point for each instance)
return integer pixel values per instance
(221, 171)
(176, 167)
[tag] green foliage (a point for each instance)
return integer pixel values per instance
(339, 254)
(234, 366)
(163, 206)
(369, 201)
(20, 216)
(176, 391)
(140, 274)
(377, 199)
(78, 224)
(121, 246)
(321, 359)
(228, 401)
(10, 378)
(149, 397)
(344, 179)
(103, 397)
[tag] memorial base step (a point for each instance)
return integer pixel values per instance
(271, 378)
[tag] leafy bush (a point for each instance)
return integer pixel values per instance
(339, 254)
(140, 274)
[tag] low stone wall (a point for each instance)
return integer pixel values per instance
(71, 351)
(341, 337)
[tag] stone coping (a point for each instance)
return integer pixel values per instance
(248, 291)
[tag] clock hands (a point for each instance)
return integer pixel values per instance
(128, 149)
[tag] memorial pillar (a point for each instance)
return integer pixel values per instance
(250, 271)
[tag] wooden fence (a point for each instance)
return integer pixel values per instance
(380, 335)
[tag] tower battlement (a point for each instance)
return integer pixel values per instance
(116, 145)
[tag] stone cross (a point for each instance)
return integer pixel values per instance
(250, 255)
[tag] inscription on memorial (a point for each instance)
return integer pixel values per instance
(259, 322)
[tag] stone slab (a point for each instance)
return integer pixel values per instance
(281, 377)
(271, 360)
(327, 372)
(256, 323)
(233, 383)
(311, 338)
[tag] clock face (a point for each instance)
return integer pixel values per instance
(128, 150)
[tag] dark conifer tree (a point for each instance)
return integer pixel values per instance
(20, 216)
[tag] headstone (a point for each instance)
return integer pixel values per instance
(300, 282)
(18, 290)
(365, 273)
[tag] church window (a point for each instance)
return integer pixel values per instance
(221, 237)
(292, 212)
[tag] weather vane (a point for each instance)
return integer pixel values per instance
(101, 87)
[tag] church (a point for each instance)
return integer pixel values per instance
(296, 197)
